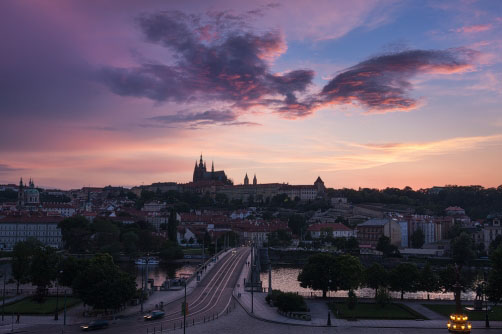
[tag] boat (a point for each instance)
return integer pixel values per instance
(149, 261)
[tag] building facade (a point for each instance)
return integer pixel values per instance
(370, 231)
(20, 228)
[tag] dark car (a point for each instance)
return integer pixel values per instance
(154, 315)
(96, 324)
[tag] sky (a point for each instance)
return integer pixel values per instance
(362, 93)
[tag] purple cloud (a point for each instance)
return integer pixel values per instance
(382, 83)
(217, 59)
(7, 169)
(195, 120)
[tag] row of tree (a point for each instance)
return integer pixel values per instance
(477, 201)
(327, 272)
(97, 281)
(106, 236)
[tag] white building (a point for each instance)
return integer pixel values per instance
(61, 209)
(19, 228)
(337, 230)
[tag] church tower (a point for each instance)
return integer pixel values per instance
(246, 180)
(255, 181)
(20, 195)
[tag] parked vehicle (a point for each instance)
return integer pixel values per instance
(157, 314)
(96, 324)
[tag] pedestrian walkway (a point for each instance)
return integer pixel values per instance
(75, 314)
(166, 297)
(426, 312)
(256, 306)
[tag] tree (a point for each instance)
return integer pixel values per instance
(76, 234)
(172, 227)
(69, 268)
(102, 285)
(429, 280)
(495, 243)
(130, 242)
(279, 238)
(317, 273)
(384, 246)
(417, 238)
(171, 251)
(404, 278)
(21, 260)
(494, 288)
(43, 270)
(462, 249)
(349, 272)
(297, 223)
(352, 244)
(376, 277)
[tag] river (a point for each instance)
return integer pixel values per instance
(285, 279)
(159, 273)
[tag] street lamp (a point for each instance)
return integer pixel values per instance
(185, 309)
(56, 315)
(487, 322)
(3, 301)
(252, 278)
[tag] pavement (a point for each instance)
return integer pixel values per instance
(256, 307)
(75, 316)
(213, 309)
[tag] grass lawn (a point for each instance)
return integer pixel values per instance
(29, 306)
(374, 311)
(447, 309)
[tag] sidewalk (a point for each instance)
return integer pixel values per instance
(319, 313)
(167, 297)
(75, 316)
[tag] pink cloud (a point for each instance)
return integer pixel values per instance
(474, 28)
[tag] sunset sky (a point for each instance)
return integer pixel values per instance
(362, 93)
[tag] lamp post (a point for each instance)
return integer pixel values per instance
(252, 278)
(3, 301)
(487, 322)
(185, 309)
(56, 315)
(142, 286)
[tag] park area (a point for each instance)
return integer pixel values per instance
(447, 309)
(374, 311)
(48, 306)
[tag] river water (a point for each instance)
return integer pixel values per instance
(159, 273)
(285, 279)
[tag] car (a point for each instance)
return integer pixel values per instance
(96, 324)
(157, 314)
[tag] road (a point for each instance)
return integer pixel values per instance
(208, 300)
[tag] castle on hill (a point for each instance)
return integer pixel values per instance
(200, 173)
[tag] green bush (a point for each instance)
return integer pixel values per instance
(382, 297)
(287, 301)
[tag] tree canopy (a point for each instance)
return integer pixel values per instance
(102, 285)
(327, 272)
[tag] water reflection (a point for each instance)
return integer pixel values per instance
(159, 273)
(285, 279)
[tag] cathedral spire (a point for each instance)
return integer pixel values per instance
(246, 180)
(212, 166)
(255, 181)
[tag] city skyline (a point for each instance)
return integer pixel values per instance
(364, 94)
